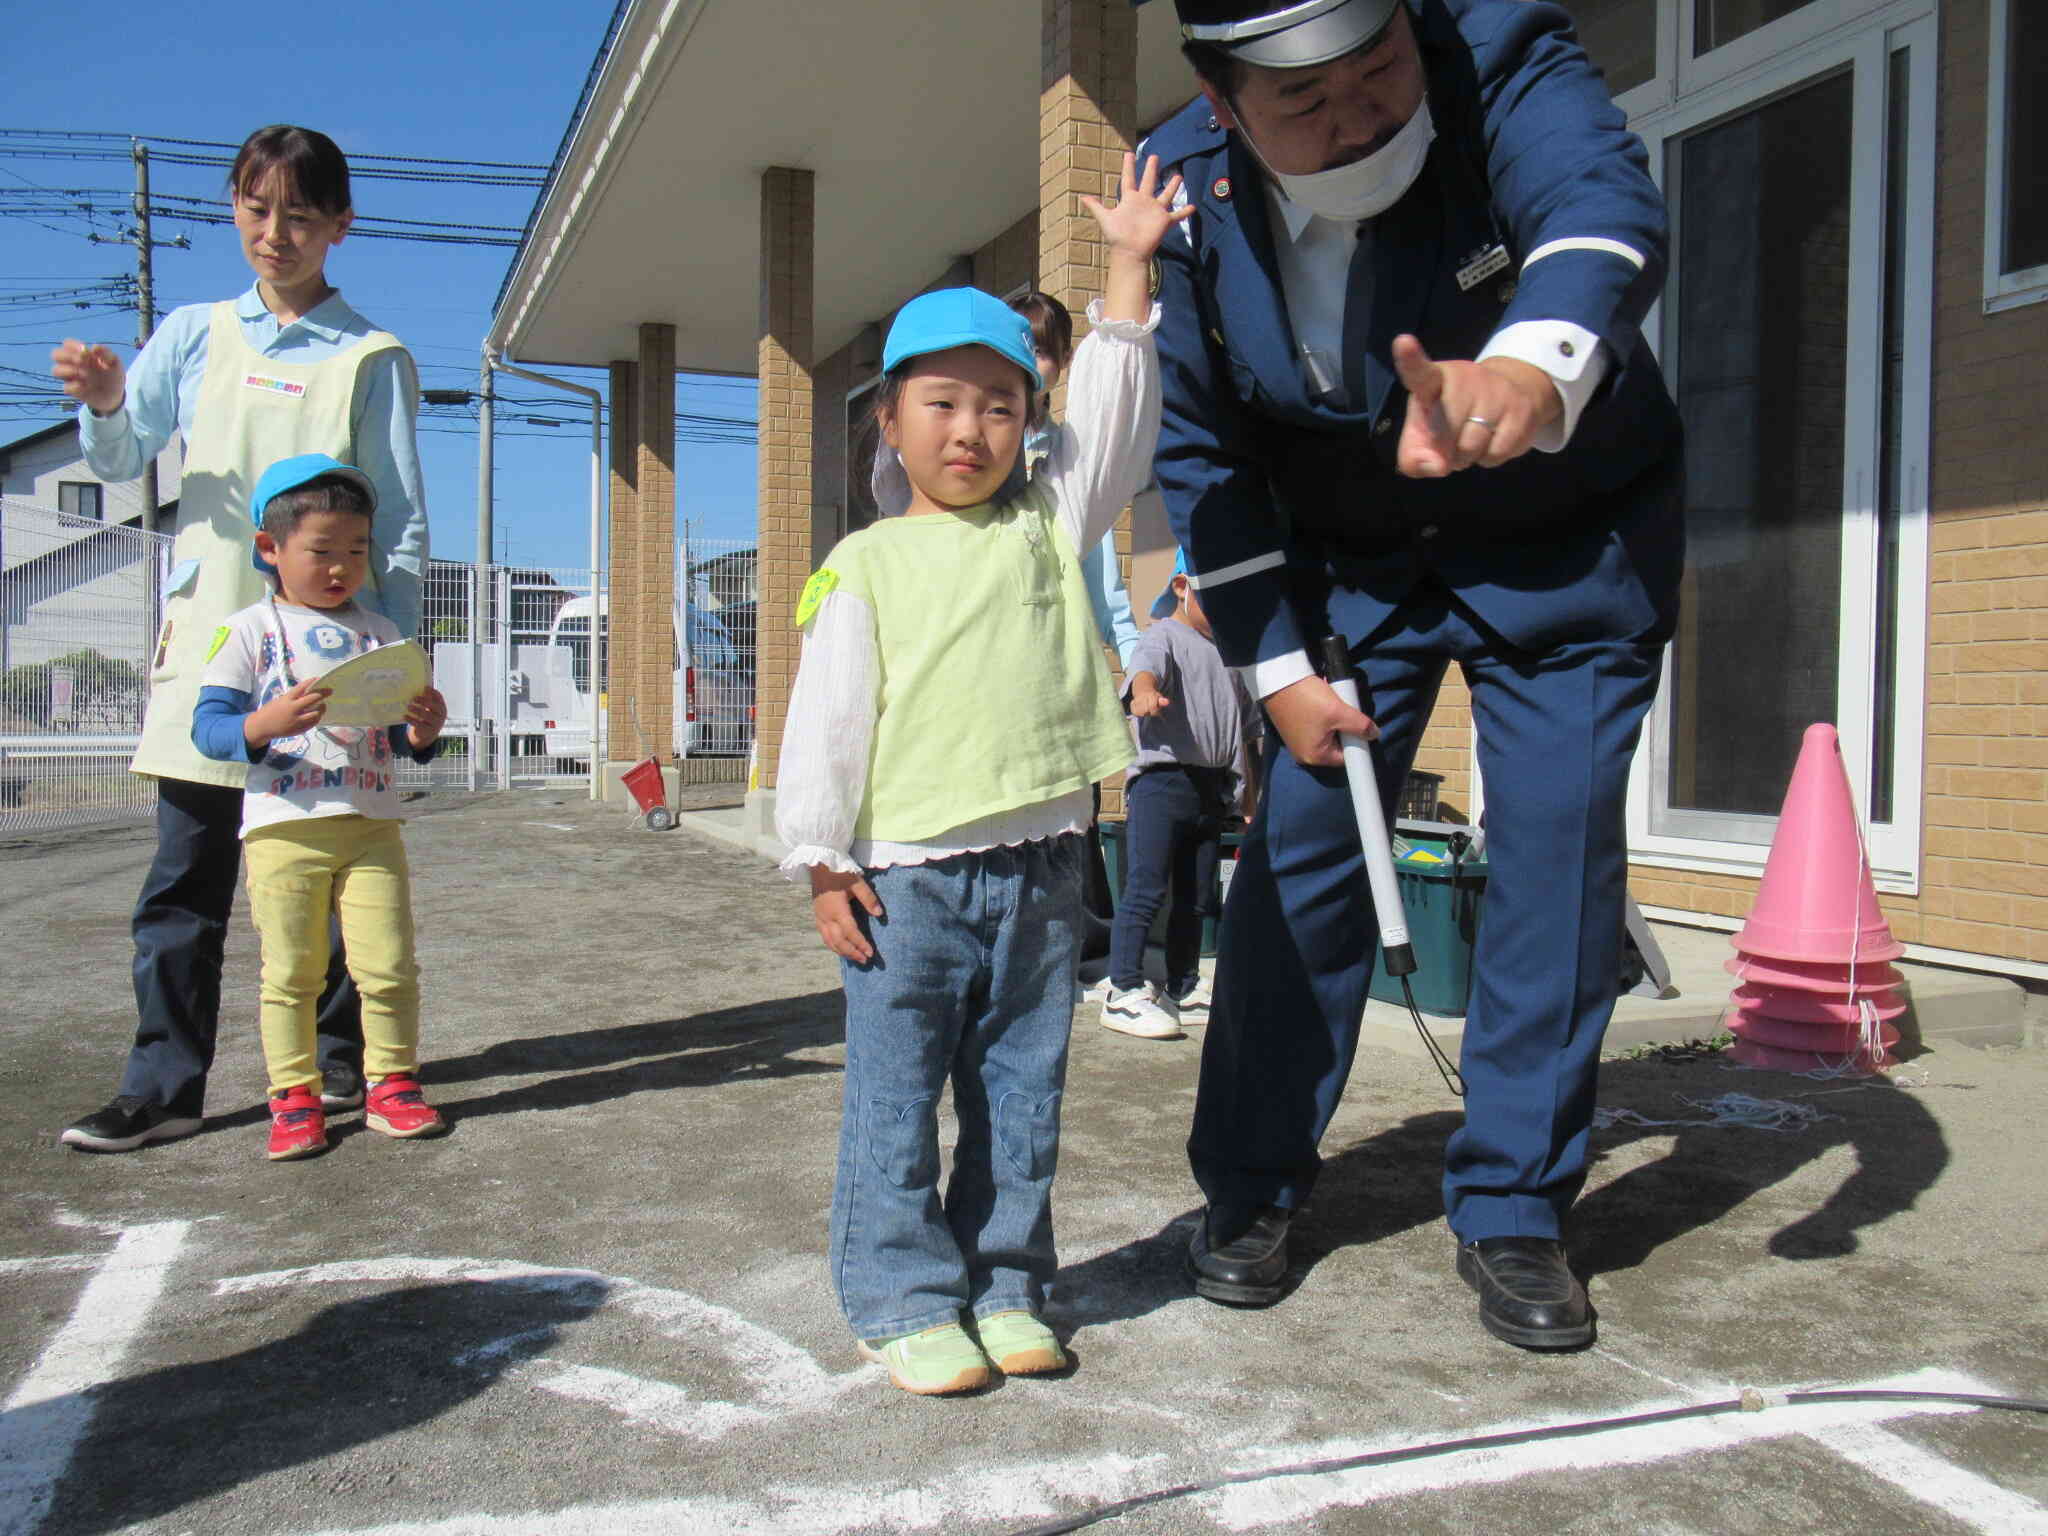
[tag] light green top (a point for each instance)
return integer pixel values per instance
(993, 695)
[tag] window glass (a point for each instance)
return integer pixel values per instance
(1760, 316)
(2026, 121)
(1621, 37)
(1716, 22)
(79, 498)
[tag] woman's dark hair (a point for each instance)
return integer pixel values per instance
(1052, 327)
(314, 169)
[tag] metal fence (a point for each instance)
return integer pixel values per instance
(512, 653)
(76, 624)
(511, 648)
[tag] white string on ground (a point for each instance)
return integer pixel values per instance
(1738, 1111)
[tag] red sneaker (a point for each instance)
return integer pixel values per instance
(298, 1126)
(398, 1108)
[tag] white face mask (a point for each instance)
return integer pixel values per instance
(1364, 188)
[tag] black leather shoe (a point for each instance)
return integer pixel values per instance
(1528, 1294)
(341, 1087)
(1249, 1269)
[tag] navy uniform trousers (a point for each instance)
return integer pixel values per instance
(181, 930)
(1555, 732)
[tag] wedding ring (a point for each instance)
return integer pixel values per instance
(1479, 421)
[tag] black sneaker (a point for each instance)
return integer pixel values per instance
(126, 1124)
(341, 1087)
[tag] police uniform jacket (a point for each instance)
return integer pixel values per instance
(1288, 503)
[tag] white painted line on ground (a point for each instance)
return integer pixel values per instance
(782, 1379)
(1253, 1506)
(49, 1411)
(1917, 1471)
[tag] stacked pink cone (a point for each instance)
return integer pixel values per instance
(1818, 989)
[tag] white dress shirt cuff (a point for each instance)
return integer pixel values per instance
(1268, 677)
(1573, 356)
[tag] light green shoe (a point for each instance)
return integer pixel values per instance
(938, 1360)
(1018, 1344)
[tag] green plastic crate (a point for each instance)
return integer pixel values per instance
(1113, 866)
(1442, 902)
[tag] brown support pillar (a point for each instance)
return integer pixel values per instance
(623, 535)
(643, 562)
(1087, 119)
(784, 495)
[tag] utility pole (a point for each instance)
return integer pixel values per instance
(145, 326)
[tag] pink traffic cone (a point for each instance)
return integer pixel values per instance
(1834, 1040)
(1812, 1008)
(1816, 903)
(1838, 980)
(1854, 1063)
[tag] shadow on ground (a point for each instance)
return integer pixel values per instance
(584, 1067)
(357, 1372)
(1384, 1185)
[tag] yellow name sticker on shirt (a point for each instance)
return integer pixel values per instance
(220, 638)
(815, 590)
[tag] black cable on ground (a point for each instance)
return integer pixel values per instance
(1751, 1401)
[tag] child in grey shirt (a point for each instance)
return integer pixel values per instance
(1196, 726)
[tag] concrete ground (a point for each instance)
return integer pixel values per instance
(600, 1305)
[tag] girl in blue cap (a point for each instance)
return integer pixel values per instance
(949, 717)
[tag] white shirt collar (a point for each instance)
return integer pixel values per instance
(1293, 216)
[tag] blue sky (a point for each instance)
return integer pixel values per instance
(445, 80)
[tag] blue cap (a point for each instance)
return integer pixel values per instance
(959, 317)
(1166, 602)
(288, 475)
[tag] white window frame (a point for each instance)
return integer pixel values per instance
(2026, 285)
(1815, 21)
(1895, 845)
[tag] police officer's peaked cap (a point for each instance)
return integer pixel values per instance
(1290, 35)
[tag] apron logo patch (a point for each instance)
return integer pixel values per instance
(270, 386)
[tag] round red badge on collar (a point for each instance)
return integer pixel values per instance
(1221, 190)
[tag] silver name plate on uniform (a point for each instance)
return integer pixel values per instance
(1482, 266)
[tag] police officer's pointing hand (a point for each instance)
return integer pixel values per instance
(1461, 414)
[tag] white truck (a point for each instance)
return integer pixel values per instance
(545, 690)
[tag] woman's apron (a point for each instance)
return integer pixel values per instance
(252, 411)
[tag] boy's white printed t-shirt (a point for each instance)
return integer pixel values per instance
(341, 770)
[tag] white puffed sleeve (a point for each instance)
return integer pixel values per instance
(822, 775)
(1102, 453)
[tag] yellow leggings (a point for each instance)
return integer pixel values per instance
(299, 872)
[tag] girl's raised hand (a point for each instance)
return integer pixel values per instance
(1143, 211)
(90, 374)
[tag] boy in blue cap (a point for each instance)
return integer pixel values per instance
(1196, 727)
(320, 827)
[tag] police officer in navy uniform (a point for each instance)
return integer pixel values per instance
(1408, 403)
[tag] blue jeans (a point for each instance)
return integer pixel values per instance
(973, 980)
(1173, 832)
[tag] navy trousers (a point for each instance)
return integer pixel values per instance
(1556, 733)
(181, 929)
(1173, 832)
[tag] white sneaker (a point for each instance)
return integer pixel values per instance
(1142, 1012)
(1194, 1003)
